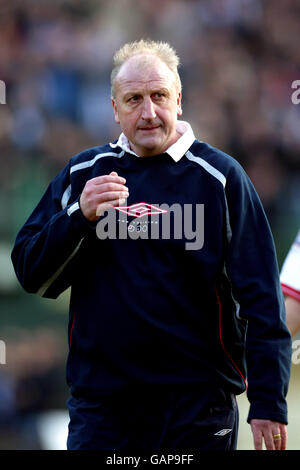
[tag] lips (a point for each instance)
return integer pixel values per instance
(149, 128)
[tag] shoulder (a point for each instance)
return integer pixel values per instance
(238, 187)
(216, 162)
(88, 156)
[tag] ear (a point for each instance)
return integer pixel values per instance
(114, 105)
(179, 108)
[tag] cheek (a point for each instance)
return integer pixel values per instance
(170, 117)
(129, 123)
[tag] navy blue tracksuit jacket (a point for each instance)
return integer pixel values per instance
(192, 300)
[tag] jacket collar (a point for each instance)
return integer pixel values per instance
(176, 151)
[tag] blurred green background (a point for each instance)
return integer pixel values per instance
(239, 59)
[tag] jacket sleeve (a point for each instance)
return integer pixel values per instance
(253, 270)
(47, 244)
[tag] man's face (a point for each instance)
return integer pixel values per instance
(146, 104)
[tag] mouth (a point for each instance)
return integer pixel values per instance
(148, 128)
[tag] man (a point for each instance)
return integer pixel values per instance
(158, 322)
(290, 283)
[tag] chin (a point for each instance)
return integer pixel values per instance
(151, 144)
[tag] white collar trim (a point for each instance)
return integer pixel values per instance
(176, 151)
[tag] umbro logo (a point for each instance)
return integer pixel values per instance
(223, 432)
(140, 209)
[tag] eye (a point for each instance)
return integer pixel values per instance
(133, 99)
(158, 95)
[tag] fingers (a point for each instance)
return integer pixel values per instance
(270, 442)
(104, 187)
(112, 195)
(257, 434)
(109, 190)
(283, 433)
(277, 442)
(273, 434)
(120, 197)
(109, 205)
(113, 177)
(105, 191)
(258, 440)
(279, 434)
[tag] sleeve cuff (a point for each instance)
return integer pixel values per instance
(262, 411)
(82, 224)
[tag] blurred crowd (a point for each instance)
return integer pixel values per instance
(239, 59)
(32, 384)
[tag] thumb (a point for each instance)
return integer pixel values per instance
(113, 173)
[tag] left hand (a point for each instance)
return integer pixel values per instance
(264, 429)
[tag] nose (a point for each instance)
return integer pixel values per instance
(148, 111)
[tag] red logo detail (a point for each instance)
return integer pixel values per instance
(140, 209)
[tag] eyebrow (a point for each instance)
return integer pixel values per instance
(134, 92)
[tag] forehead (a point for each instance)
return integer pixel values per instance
(144, 71)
